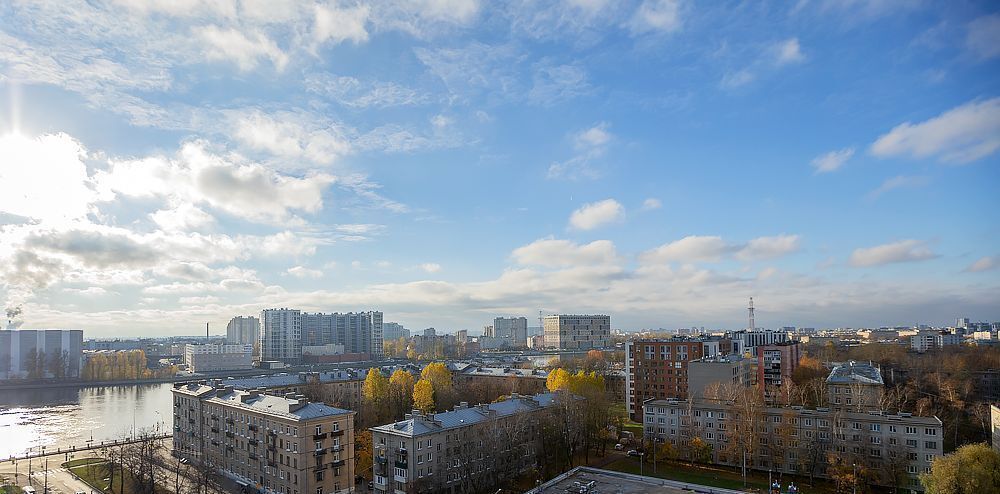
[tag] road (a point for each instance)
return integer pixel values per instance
(60, 480)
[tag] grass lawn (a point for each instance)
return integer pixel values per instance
(709, 475)
(94, 474)
(634, 428)
(10, 489)
(81, 461)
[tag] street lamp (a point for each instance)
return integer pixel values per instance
(855, 477)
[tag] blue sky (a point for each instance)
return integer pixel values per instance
(447, 161)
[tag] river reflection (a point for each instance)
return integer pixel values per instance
(63, 417)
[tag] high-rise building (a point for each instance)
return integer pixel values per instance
(392, 331)
(962, 322)
(243, 330)
(40, 353)
(658, 368)
(746, 342)
(357, 332)
(513, 329)
(274, 444)
(281, 335)
(577, 332)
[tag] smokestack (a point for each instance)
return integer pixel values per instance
(206, 332)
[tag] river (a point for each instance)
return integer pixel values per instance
(64, 417)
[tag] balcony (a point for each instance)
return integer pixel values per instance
(336, 447)
(190, 421)
(271, 432)
(229, 420)
(253, 442)
(319, 467)
(337, 433)
(399, 478)
(381, 459)
(337, 463)
(215, 430)
(319, 452)
(319, 437)
(252, 456)
(252, 427)
(214, 417)
(271, 447)
(271, 463)
(401, 464)
(229, 434)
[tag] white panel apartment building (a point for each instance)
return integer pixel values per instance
(798, 440)
(211, 357)
(281, 335)
(243, 330)
(512, 329)
(577, 332)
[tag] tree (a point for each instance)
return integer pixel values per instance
(375, 395)
(423, 396)
(400, 392)
(439, 376)
(363, 453)
(973, 468)
(558, 379)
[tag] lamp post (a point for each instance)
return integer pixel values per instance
(855, 478)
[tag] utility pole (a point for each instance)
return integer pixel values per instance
(45, 490)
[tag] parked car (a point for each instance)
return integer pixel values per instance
(619, 447)
(633, 452)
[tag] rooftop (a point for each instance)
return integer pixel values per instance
(597, 481)
(283, 380)
(855, 372)
(464, 415)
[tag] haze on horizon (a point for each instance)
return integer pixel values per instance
(163, 165)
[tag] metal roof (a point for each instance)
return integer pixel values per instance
(855, 372)
(462, 417)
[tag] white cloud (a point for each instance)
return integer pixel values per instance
(304, 272)
(832, 161)
(788, 52)
(93, 291)
(289, 134)
(590, 144)
(983, 37)
(732, 80)
(197, 176)
(431, 267)
(341, 24)
(898, 182)
(901, 251)
(960, 135)
(245, 49)
(656, 16)
(983, 264)
(184, 217)
(597, 214)
(689, 249)
(202, 300)
(555, 83)
(354, 93)
(44, 178)
(549, 252)
(651, 204)
(769, 247)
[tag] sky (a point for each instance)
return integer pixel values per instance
(168, 164)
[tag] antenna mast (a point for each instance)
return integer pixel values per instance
(751, 314)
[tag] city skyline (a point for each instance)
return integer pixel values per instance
(660, 162)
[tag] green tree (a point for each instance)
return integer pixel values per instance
(423, 396)
(971, 469)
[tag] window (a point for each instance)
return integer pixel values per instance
(319, 429)
(930, 432)
(856, 426)
(911, 430)
(876, 427)
(929, 458)
(930, 444)
(892, 428)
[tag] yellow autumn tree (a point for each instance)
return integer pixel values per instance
(439, 376)
(375, 395)
(400, 392)
(423, 396)
(558, 379)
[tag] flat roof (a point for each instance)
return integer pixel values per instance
(596, 481)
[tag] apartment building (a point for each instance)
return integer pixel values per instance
(658, 369)
(577, 332)
(281, 335)
(855, 386)
(514, 330)
(523, 381)
(275, 444)
(285, 331)
(340, 388)
(746, 342)
(243, 330)
(775, 365)
(710, 372)
(890, 449)
(211, 358)
(459, 451)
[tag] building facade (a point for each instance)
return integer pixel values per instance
(577, 332)
(463, 450)
(890, 450)
(281, 335)
(243, 330)
(855, 386)
(746, 342)
(710, 372)
(275, 444)
(512, 329)
(775, 365)
(658, 369)
(210, 358)
(40, 353)
(392, 331)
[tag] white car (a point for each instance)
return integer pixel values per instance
(619, 447)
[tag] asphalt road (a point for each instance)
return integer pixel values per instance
(60, 480)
